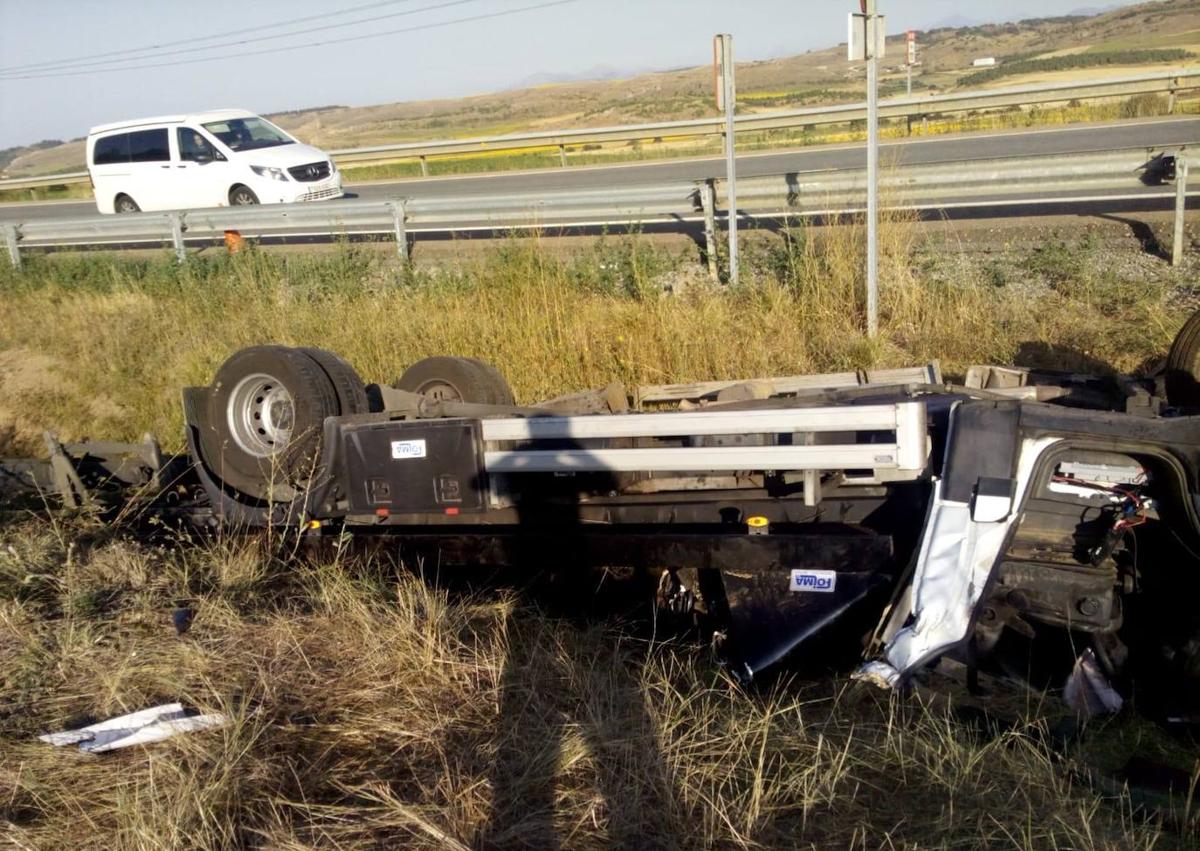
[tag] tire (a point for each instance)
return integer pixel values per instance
(347, 385)
(124, 204)
(502, 392)
(1183, 366)
(242, 196)
(456, 379)
(266, 412)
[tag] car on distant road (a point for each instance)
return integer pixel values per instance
(226, 157)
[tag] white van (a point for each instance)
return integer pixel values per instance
(210, 159)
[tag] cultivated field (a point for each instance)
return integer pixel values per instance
(378, 704)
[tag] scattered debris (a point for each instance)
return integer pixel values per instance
(1088, 691)
(877, 673)
(137, 728)
(182, 618)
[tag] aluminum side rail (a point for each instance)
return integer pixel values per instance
(906, 454)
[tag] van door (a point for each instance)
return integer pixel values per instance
(201, 169)
(109, 169)
(152, 182)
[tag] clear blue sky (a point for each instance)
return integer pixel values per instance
(460, 58)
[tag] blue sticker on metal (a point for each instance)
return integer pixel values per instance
(822, 581)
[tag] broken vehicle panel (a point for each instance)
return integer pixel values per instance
(1017, 506)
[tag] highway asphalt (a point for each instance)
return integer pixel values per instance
(1151, 134)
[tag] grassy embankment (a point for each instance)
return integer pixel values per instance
(97, 344)
(370, 709)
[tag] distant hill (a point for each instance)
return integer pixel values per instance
(1125, 39)
(600, 72)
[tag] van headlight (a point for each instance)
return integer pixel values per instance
(269, 171)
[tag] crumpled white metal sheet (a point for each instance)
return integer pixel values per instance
(953, 566)
(1088, 691)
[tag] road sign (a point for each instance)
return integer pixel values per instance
(865, 30)
(912, 47)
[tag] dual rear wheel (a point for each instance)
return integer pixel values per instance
(268, 405)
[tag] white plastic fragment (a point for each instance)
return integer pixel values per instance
(1088, 691)
(137, 728)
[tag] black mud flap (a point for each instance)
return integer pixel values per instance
(771, 613)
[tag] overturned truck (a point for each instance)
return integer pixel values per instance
(988, 520)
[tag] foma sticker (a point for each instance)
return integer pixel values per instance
(408, 449)
(823, 581)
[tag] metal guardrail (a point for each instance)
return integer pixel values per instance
(1169, 83)
(964, 183)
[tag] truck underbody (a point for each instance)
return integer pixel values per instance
(1011, 520)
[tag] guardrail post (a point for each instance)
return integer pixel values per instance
(708, 202)
(424, 166)
(177, 229)
(562, 155)
(14, 248)
(399, 214)
(1181, 174)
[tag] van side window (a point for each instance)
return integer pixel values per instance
(111, 149)
(195, 148)
(149, 146)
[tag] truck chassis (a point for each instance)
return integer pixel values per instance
(941, 519)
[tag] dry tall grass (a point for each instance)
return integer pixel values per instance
(99, 345)
(373, 709)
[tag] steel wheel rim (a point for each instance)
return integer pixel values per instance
(442, 391)
(261, 415)
(242, 198)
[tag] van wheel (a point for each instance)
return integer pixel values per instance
(125, 204)
(240, 196)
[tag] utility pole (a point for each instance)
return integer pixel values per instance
(727, 99)
(866, 43)
(912, 58)
(1181, 177)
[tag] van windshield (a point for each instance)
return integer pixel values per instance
(247, 134)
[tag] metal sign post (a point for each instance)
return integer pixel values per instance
(726, 99)
(866, 43)
(912, 58)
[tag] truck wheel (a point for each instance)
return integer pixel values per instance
(242, 196)
(502, 392)
(266, 413)
(455, 379)
(125, 204)
(1183, 366)
(347, 385)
